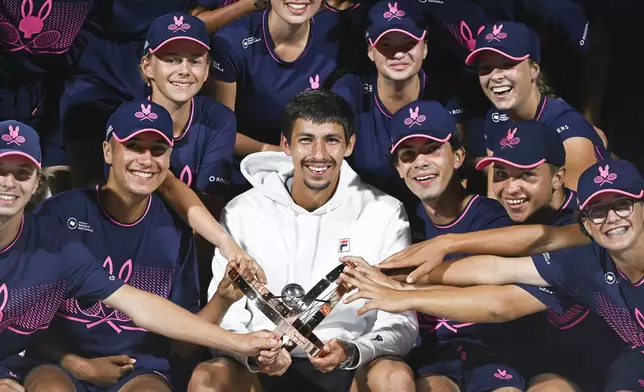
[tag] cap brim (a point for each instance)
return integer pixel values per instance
(420, 135)
(485, 162)
(398, 30)
(152, 130)
(472, 57)
(177, 38)
(609, 190)
(21, 154)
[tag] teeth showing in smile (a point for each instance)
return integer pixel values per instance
(297, 7)
(8, 197)
(142, 174)
(515, 202)
(501, 90)
(616, 232)
(425, 178)
(318, 169)
(180, 84)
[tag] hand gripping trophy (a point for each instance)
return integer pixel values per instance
(295, 313)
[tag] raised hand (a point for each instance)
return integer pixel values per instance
(425, 255)
(260, 343)
(246, 265)
(378, 296)
(371, 272)
(274, 363)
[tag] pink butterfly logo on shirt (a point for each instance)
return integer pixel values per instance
(30, 26)
(496, 34)
(314, 82)
(503, 375)
(466, 34)
(178, 25)
(394, 12)
(186, 175)
(414, 118)
(103, 312)
(509, 140)
(4, 298)
(13, 137)
(605, 176)
(146, 113)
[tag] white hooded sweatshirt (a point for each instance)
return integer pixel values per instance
(294, 245)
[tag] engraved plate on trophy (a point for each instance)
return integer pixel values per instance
(295, 313)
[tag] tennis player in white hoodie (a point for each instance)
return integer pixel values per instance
(307, 209)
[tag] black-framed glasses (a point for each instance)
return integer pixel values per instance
(623, 208)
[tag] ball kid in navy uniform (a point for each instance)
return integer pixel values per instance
(528, 180)
(507, 56)
(427, 151)
(135, 237)
(397, 45)
(263, 60)
(105, 72)
(42, 265)
(604, 275)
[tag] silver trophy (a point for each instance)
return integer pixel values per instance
(294, 313)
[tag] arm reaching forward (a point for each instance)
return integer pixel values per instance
(506, 241)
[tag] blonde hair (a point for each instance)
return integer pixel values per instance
(41, 192)
(542, 82)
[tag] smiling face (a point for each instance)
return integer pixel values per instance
(18, 183)
(523, 192)
(397, 56)
(427, 166)
(623, 225)
(507, 84)
(138, 165)
(317, 151)
(295, 12)
(177, 71)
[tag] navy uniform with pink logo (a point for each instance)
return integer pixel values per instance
(35, 38)
(243, 53)
(588, 274)
(202, 153)
(517, 42)
(39, 269)
(566, 351)
(370, 157)
(475, 356)
(105, 74)
(155, 253)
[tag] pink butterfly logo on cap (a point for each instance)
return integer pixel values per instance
(394, 12)
(13, 137)
(496, 34)
(414, 118)
(510, 140)
(146, 113)
(178, 25)
(605, 176)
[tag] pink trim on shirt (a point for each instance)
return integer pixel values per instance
(100, 203)
(467, 208)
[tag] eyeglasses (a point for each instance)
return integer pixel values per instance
(598, 214)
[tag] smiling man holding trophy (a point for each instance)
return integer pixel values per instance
(307, 209)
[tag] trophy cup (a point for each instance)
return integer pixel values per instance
(294, 313)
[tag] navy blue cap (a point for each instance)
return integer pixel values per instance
(402, 16)
(175, 26)
(20, 139)
(137, 117)
(609, 176)
(526, 145)
(424, 119)
(515, 41)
